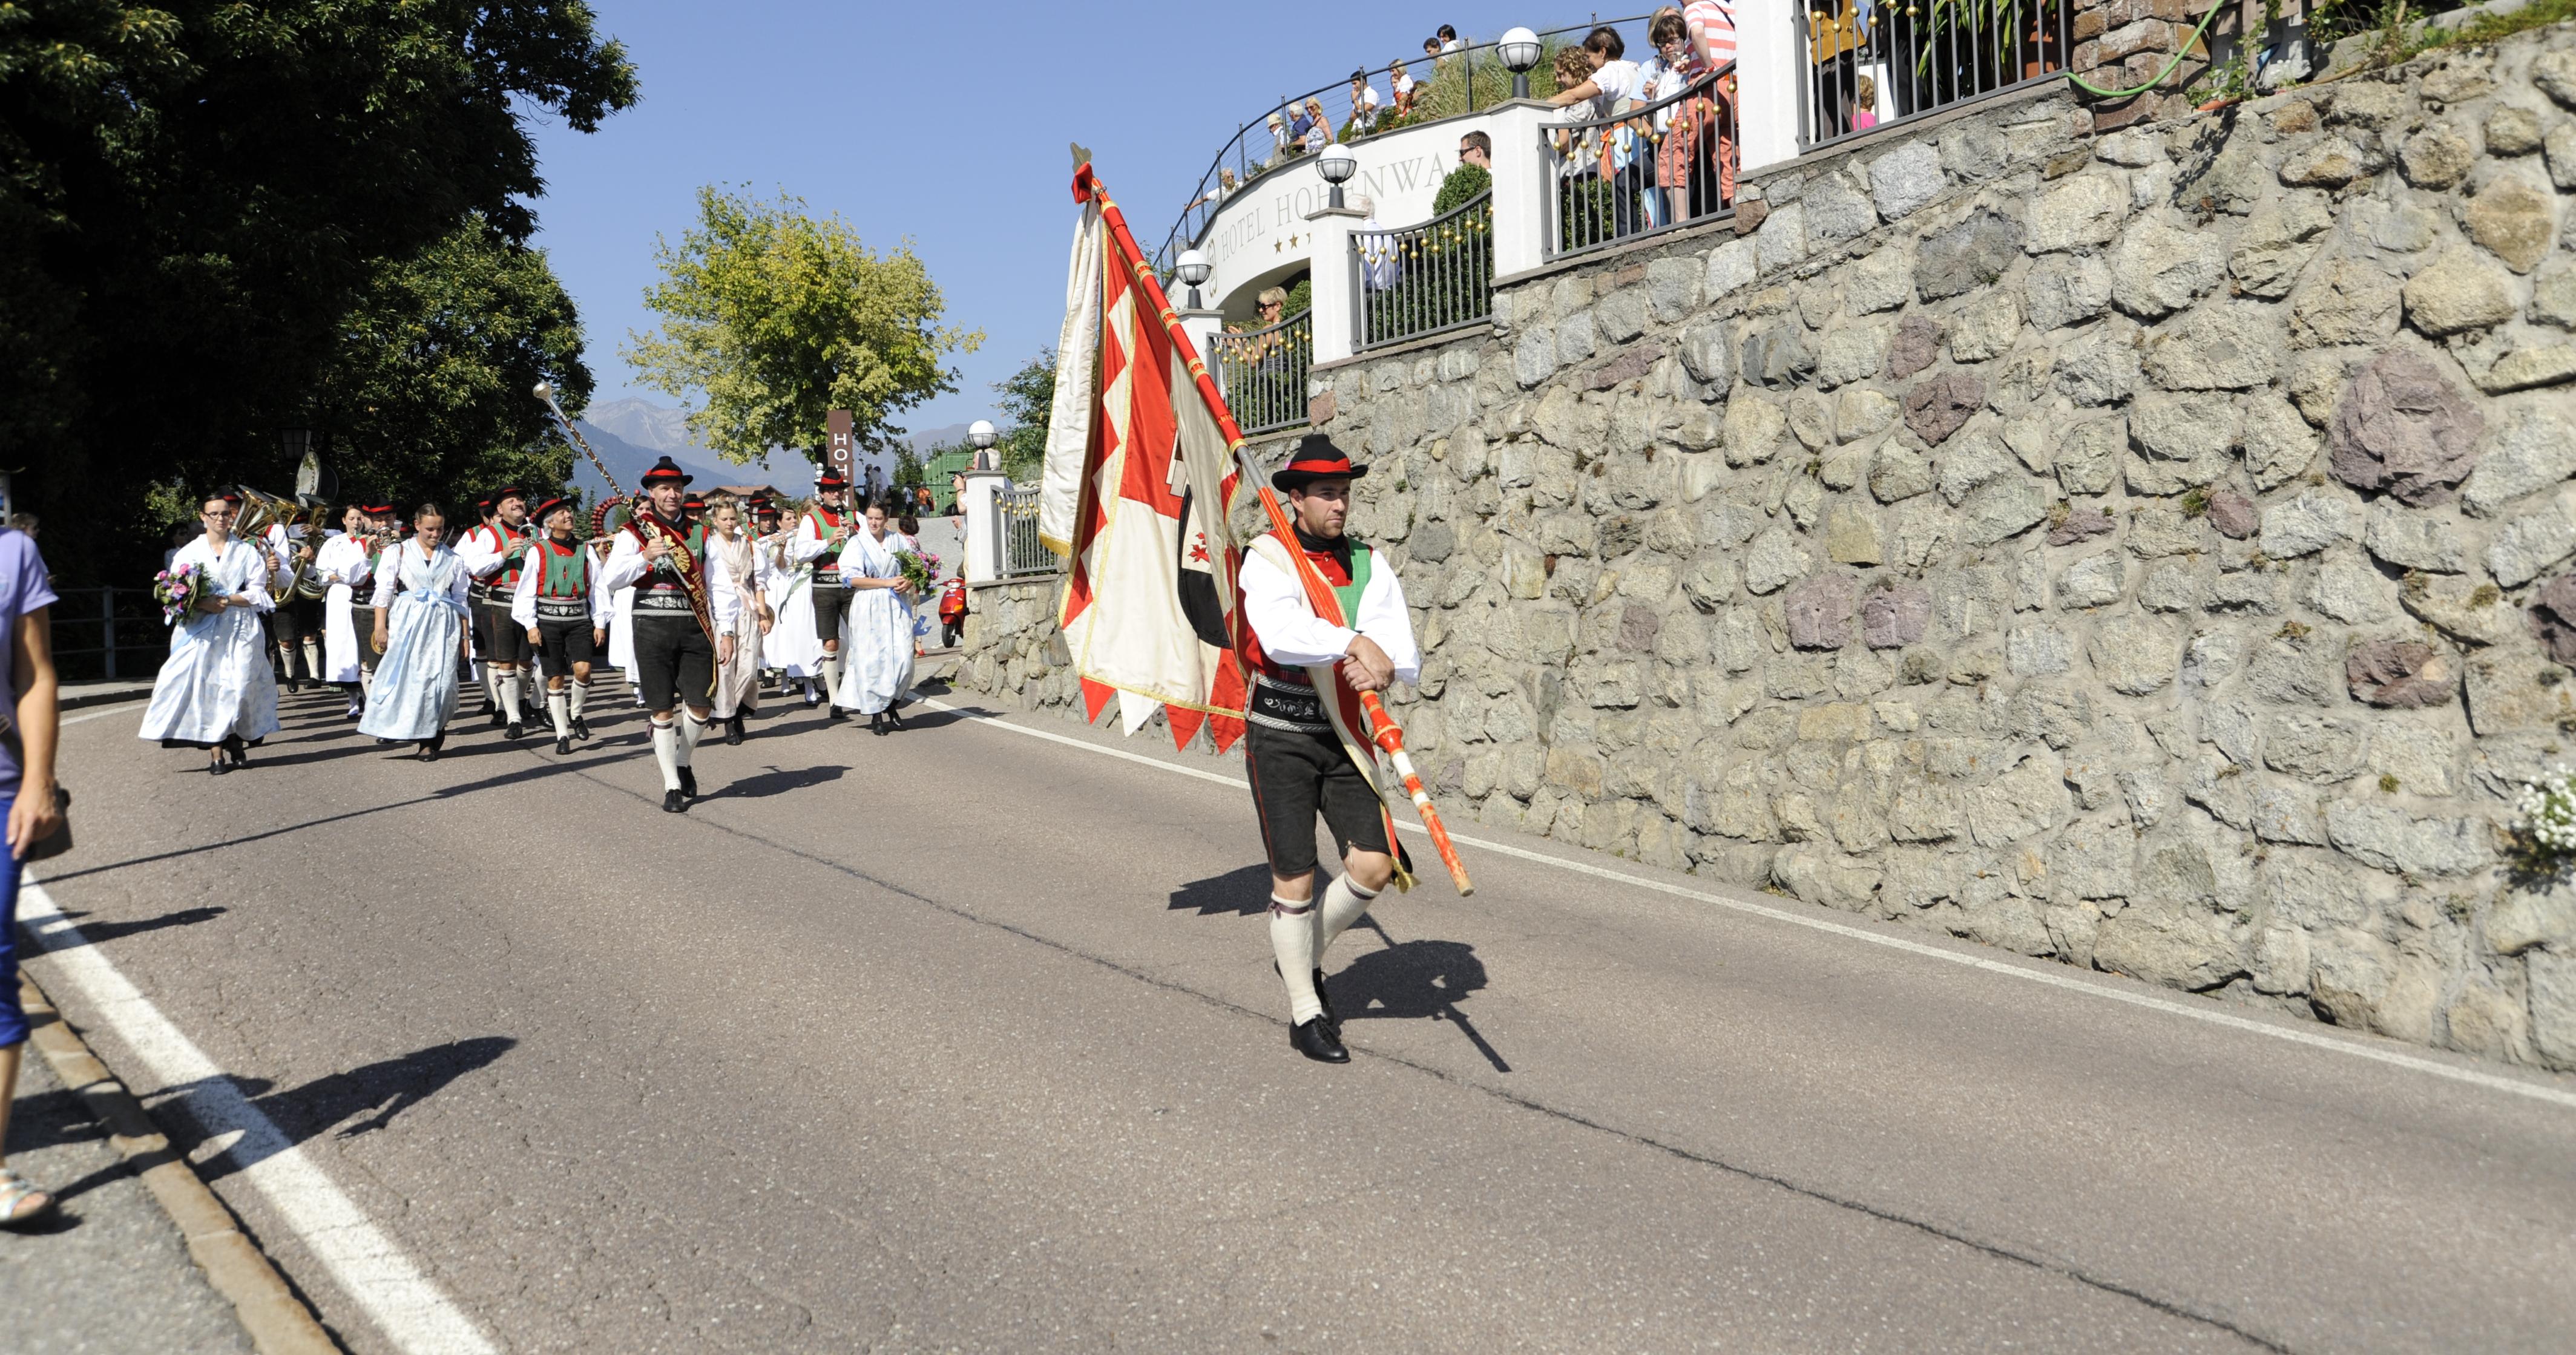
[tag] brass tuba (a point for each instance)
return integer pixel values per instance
(309, 582)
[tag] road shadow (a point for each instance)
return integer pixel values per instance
(776, 781)
(387, 1088)
(1240, 892)
(99, 933)
(1414, 980)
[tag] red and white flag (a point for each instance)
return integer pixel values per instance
(1140, 474)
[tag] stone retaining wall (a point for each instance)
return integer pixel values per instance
(2148, 549)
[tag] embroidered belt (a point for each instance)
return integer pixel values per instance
(478, 592)
(562, 609)
(671, 600)
(1293, 706)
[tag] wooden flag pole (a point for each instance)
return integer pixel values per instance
(1384, 731)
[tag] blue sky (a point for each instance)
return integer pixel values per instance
(941, 122)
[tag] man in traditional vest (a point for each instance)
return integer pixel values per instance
(820, 534)
(1306, 747)
(561, 615)
(492, 554)
(681, 607)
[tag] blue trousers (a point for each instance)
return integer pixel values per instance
(13, 1018)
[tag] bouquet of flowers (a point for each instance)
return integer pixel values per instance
(920, 570)
(177, 590)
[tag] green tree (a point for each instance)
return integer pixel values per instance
(776, 317)
(194, 193)
(1028, 402)
(426, 394)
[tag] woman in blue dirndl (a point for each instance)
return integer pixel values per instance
(420, 626)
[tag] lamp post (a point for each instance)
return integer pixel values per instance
(981, 432)
(1193, 269)
(1337, 165)
(1520, 51)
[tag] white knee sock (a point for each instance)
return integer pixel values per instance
(509, 683)
(483, 679)
(832, 678)
(580, 698)
(1344, 904)
(559, 709)
(666, 750)
(1292, 940)
(692, 729)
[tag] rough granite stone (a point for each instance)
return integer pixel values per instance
(2278, 240)
(2552, 616)
(2135, 655)
(2307, 524)
(2233, 514)
(1935, 408)
(1966, 256)
(2344, 301)
(1905, 180)
(2533, 451)
(2526, 546)
(2349, 589)
(2159, 267)
(2277, 442)
(1773, 560)
(2402, 427)
(1916, 346)
(2436, 158)
(2395, 841)
(2414, 541)
(2081, 525)
(2099, 367)
(1986, 328)
(2066, 289)
(1891, 618)
(2234, 345)
(2088, 457)
(2514, 220)
(1896, 474)
(2093, 581)
(2083, 210)
(2456, 293)
(1819, 612)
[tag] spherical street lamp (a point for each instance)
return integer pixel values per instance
(1520, 51)
(982, 434)
(1337, 165)
(1193, 268)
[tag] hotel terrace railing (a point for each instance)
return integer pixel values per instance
(1868, 65)
(1263, 373)
(1454, 84)
(1425, 279)
(1655, 167)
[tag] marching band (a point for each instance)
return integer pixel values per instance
(703, 604)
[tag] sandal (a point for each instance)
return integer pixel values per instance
(15, 1191)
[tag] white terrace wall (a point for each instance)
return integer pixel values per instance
(2147, 549)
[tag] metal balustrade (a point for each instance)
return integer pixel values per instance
(1263, 373)
(1656, 167)
(1867, 64)
(1453, 84)
(108, 633)
(1425, 279)
(1022, 552)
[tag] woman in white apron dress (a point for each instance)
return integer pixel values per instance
(420, 623)
(216, 690)
(876, 643)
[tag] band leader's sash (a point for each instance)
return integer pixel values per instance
(647, 525)
(1341, 704)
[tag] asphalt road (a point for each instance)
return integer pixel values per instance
(967, 1039)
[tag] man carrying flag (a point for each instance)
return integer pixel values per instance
(1294, 747)
(684, 613)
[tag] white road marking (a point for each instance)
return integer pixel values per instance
(405, 1305)
(2067, 982)
(121, 708)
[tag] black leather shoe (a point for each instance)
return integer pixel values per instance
(498, 719)
(689, 782)
(581, 729)
(1315, 1039)
(733, 730)
(218, 767)
(893, 719)
(1327, 999)
(675, 802)
(835, 714)
(563, 747)
(515, 731)
(429, 752)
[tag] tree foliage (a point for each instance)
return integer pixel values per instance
(776, 317)
(195, 193)
(1028, 403)
(427, 392)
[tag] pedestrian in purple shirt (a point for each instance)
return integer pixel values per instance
(27, 802)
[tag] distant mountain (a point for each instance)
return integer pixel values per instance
(630, 435)
(928, 438)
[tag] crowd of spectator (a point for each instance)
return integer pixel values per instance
(1673, 162)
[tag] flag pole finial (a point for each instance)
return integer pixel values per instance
(1081, 154)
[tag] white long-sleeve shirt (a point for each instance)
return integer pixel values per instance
(810, 540)
(343, 560)
(626, 565)
(601, 603)
(1290, 632)
(484, 548)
